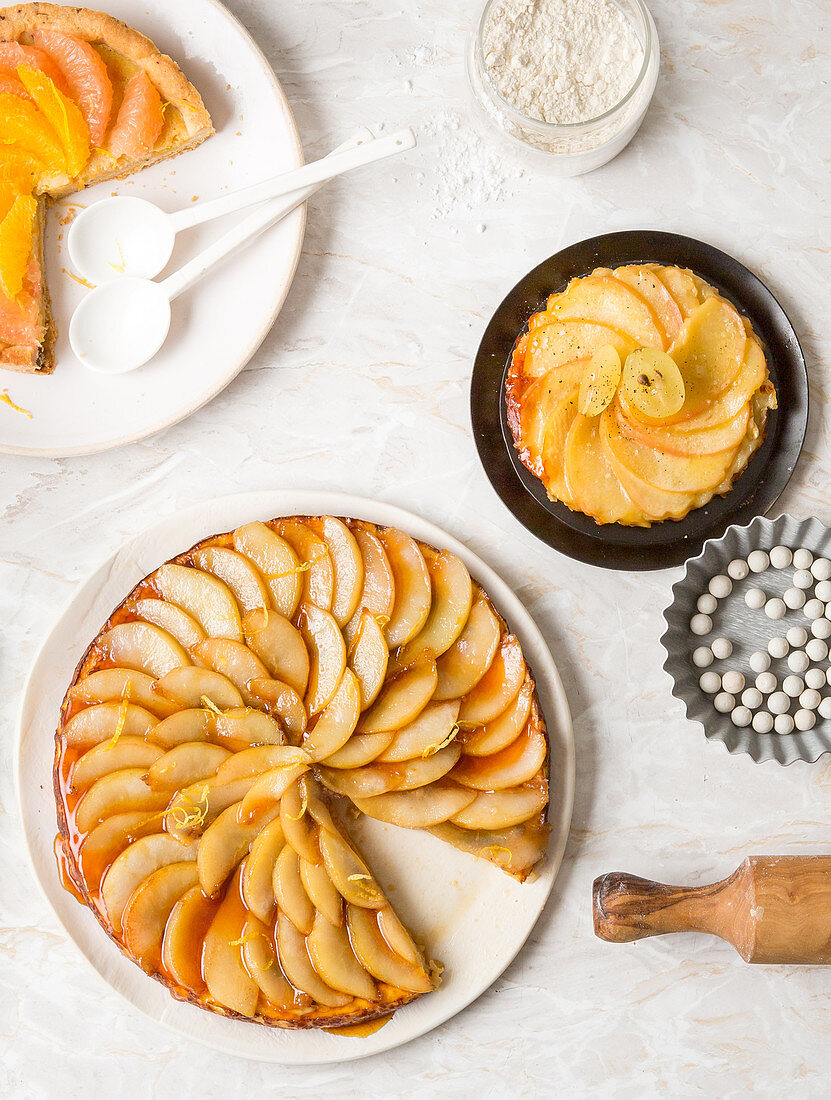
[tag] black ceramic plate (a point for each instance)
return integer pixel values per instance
(672, 541)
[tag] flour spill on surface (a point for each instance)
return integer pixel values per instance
(470, 173)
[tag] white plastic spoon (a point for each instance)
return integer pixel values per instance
(125, 235)
(121, 324)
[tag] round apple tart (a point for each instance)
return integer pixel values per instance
(638, 394)
(232, 703)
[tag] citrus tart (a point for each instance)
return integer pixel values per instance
(83, 98)
(638, 394)
(237, 708)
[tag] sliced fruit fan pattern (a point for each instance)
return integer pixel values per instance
(638, 394)
(238, 694)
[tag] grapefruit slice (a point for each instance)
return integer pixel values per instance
(13, 54)
(61, 113)
(607, 301)
(709, 353)
(86, 76)
(22, 125)
(721, 437)
(561, 341)
(17, 231)
(655, 294)
(10, 85)
(140, 119)
(592, 483)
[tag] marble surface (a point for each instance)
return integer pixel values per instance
(362, 386)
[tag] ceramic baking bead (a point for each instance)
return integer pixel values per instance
(781, 557)
(722, 648)
(814, 609)
(810, 699)
(798, 660)
(804, 720)
(825, 708)
(752, 698)
(762, 721)
(706, 604)
(720, 586)
(754, 598)
(794, 598)
(738, 569)
(828, 611)
(710, 682)
(802, 579)
(758, 561)
(828, 676)
(821, 628)
(741, 716)
(702, 657)
(759, 661)
(791, 685)
(802, 558)
(783, 723)
(815, 678)
(777, 647)
(779, 703)
(797, 636)
(822, 591)
(775, 608)
(732, 681)
(816, 649)
(701, 624)
(821, 569)
(766, 682)
(724, 702)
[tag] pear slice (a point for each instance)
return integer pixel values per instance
(242, 727)
(418, 809)
(497, 689)
(411, 582)
(452, 598)
(182, 727)
(347, 563)
(203, 596)
(516, 850)
(144, 647)
(127, 752)
(292, 899)
(349, 874)
(277, 563)
(236, 572)
(282, 700)
(267, 790)
(378, 779)
(375, 954)
(221, 848)
(337, 723)
(327, 654)
(378, 592)
(146, 913)
(432, 727)
(368, 657)
(185, 764)
(504, 729)
(295, 961)
(226, 977)
(195, 807)
(299, 828)
(109, 685)
(191, 685)
(258, 873)
(322, 893)
(335, 961)
(502, 809)
(313, 554)
(360, 749)
(403, 698)
(134, 865)
(109, 839)
(250, 763)
(184, 939)
(398, 938)
(280, 646)
(471, 655)
(115, 794)
(183, 627)
(100, 723)
(232, 659)
(261, 963)
(510, 767)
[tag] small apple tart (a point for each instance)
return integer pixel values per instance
(238, 697)
(638, 394)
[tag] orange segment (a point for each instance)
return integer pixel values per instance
(62, 114)
(140, 119)
(16, 236)
(86, 75)
(13, 54)
(22, 125)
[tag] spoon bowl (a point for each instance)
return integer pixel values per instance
(122, 235)
(120, 325)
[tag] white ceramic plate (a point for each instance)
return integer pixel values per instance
(474, 918)
(219, 324)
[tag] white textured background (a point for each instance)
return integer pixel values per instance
(363, 386)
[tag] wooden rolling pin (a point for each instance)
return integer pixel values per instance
(773, 909)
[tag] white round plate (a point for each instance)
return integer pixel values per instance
(219, 324)
(474, 917)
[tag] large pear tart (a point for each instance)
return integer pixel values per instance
(238, 697)
(638, 394)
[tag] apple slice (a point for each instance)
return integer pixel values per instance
(258, 872)
(292, 899)
(452, 599)
(709, 352)
(221, 848)
(347, 563)
(349, 874)
(418, 809)
(683, 441)
(267, 790)
(497, 688)
(100, 723)
(183, 627)
(501, 809)
(110, 685)
(327, 655)
(505, 728)
(226, 977)
(511, 767)
(398, 938)
(403, 698)
(681, 286)
(184, 939)
(276, 561)
(656, 504)
(321, 891)
(203, 596)
(115, 794)
(109, 839)
(280, 699)
(368, 657)
(144, 647)
(375, 954)
(411, 584)
(553, 345)
(297, 966)
(591, 481)
(280, 646)
(649, 286)
(241, 728)
(134, 865)
(234, 660)
(378, 592)
(335, 961)
(607, 301)
(180, 728)
(549, 400)
(551, 464)
(471, 655)
(261, 963)
(381, 778)
(313, 555)
(237, 573)
(192, 685)
(337, 723)
(146, 913)
(432, 727)
(299, 828)
(106, 757)
(360, 749)
(185, 764)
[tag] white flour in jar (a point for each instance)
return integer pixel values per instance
(561, 60)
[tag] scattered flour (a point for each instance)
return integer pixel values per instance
(561, 60)
(471, 174)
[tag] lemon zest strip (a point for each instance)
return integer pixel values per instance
(498, 848)
(431, 750)
(122, 713)
(209, 704)
(6, 400)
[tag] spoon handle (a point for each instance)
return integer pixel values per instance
(249, 228)
(319, 171)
